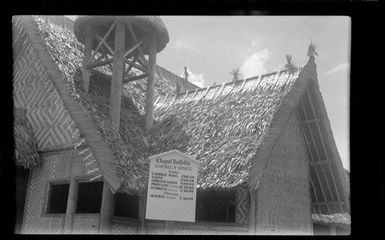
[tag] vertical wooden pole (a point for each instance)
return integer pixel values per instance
(87, 57)
(150, 86)
(106, 210)
(117, 74)
(72, 198)
(252, 212)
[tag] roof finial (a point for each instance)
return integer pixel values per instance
(312, 50)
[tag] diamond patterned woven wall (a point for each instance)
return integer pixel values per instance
(85, 224)
(123, 229)
(55, 167)
(242, 210)
(34, 91)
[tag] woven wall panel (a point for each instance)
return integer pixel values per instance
(34, 91)
(85, 224)
(123, 229)
(283, 196)
(54, 167)
(242, 209)
(205, 231)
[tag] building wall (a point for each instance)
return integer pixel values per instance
(56, 168)
(284, 205)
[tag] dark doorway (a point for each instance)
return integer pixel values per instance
(21, 192)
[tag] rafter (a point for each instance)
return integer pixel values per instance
(126, 80)
(133, 48)
(323, 145)
(315, 170)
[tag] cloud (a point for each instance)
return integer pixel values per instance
(338, 68)
(195, 78)
(183, 45)
(255, 64)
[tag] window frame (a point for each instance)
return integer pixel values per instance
(203, 222)
(83, 180)
(131, 219)
(48, 194)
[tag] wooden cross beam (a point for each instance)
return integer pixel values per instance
(104, 38)
(135, 65)
(131, 79)
(136, 40)
(129, 51)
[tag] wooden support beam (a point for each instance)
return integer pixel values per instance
(252, 212)
(106, 209)
(131, 79)
(117, 74)
(129, 51)
(72, 197)
(104, 38)
(137, 66)
(87, 58)
(99, 63)
(150, 87)
(140, 49)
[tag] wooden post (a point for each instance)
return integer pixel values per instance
(252, 213)
(117, 74)
(106, 210)
(150, 86)
(87, 57)
(72, 198)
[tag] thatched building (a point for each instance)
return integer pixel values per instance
(268, 160)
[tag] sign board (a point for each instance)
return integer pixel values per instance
(172, 182)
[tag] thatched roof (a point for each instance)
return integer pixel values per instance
(25, 143)
(222, 125)
(144, 27)
(338, 218)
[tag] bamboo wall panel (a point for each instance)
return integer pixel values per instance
(55, 167)
(284, 204)
(123, 229)
(85, 224)
(34, 91)
(242, 208)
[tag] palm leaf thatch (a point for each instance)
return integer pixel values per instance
(312, 50)
(26, 153)
(221, 126)
(290, 66)
(338, 218)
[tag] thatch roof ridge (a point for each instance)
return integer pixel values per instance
(26, 151)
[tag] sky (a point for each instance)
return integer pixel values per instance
(212, 46)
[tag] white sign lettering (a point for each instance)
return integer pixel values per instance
(172, 181)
